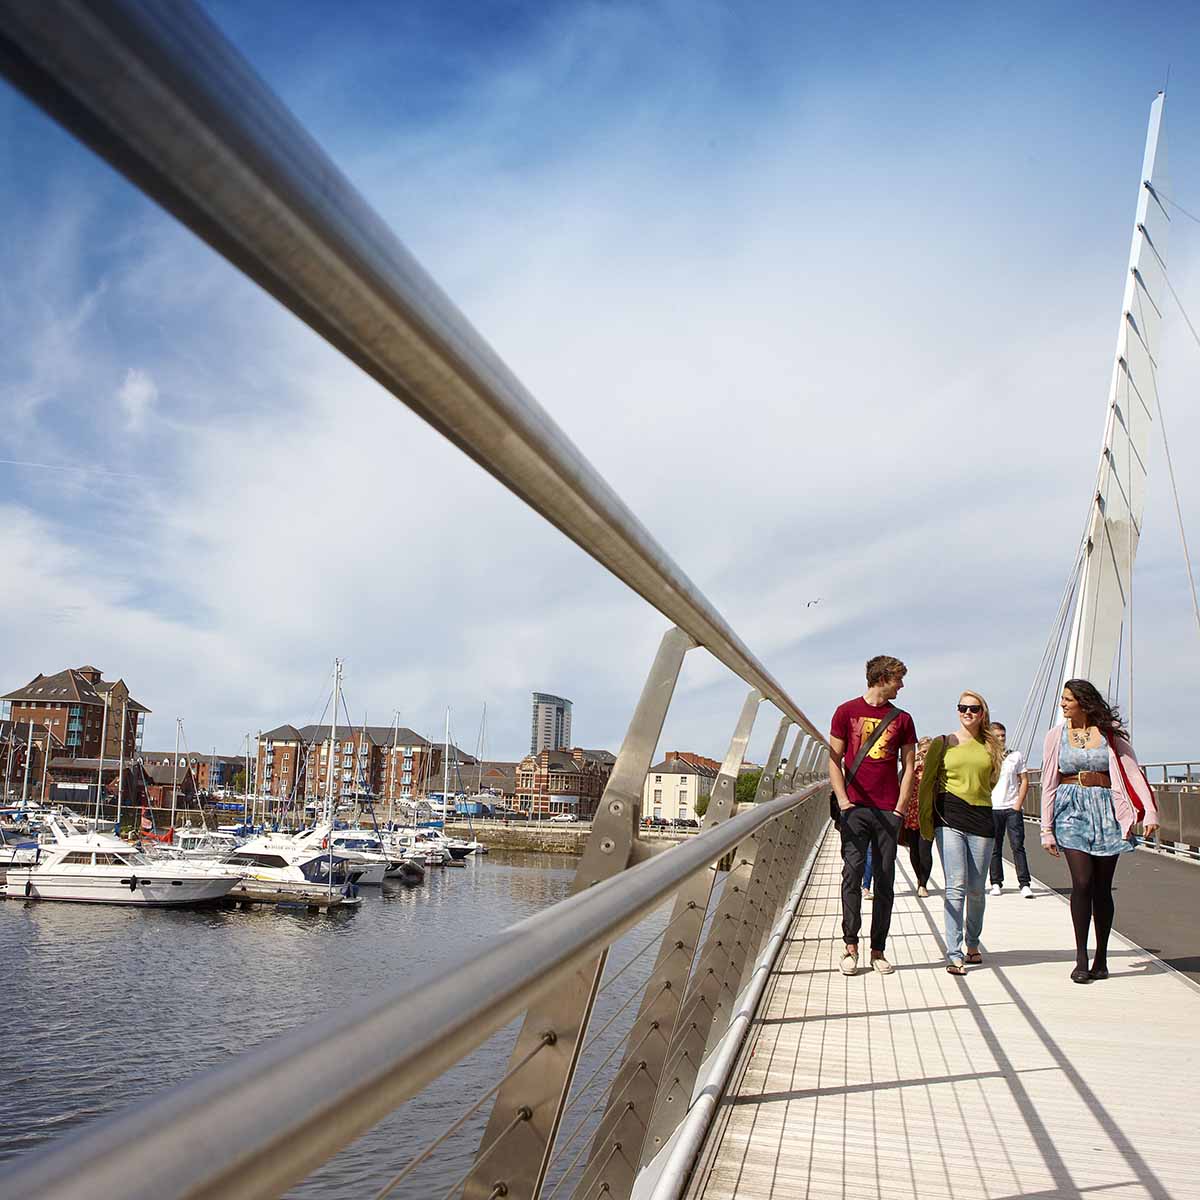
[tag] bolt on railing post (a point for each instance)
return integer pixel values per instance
(520, 1163)
(636, 1084)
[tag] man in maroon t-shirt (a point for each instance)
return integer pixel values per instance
(871, 811)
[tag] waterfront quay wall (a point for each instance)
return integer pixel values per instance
(538, 836)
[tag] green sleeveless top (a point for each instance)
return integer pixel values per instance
(968, 773)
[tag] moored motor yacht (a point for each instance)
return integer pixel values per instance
(198, 844)
(99, 868)
(16, 853)
(281, 858)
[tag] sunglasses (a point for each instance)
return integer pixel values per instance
(970, 708)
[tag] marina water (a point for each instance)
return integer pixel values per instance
(108, 1006)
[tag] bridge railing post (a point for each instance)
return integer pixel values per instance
(617, 1141)
(517, 1142)
(798, 750)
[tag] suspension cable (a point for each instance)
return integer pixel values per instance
(1187, 558)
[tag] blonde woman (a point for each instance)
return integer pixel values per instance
(961, 768)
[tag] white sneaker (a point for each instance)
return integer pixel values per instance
(1027, 892)
(849, 964)
(996, 889)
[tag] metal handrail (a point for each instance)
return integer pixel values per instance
(368, 1058)
(156, 89)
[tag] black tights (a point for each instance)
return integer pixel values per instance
(1091, 902)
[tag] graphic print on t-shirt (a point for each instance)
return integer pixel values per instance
(877, 783)
(862, 728)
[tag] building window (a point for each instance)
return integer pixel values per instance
(658, 795)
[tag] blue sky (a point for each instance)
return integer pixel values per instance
(829, 296)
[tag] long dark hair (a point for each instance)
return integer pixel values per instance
(1098, 711)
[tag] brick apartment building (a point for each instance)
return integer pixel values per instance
(378, 760)
(552, 781)
(80, 708)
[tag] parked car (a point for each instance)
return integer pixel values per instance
(564, 816)
(687, 823)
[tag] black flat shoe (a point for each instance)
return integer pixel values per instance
(1081, 975)
(1098, 973)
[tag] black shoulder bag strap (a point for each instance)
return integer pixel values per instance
(835, 810)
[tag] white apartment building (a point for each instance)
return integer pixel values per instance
(673, 787)
(550, 727)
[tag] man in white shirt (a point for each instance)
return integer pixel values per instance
(1008, 799)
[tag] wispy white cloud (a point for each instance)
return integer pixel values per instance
(137, 397)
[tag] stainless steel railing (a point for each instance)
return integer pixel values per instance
(154, 88)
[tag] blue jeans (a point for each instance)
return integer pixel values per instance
(965, 860)
(868, 870)
(1009, 821)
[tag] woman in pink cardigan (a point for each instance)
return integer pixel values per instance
(1092, 791)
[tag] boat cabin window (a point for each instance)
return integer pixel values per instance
(78, 856)
(258, 860)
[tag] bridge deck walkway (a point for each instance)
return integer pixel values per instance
(1011, 1082)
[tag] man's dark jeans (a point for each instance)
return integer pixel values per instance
(1009, 821)
(862, 827)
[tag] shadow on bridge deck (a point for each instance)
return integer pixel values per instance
(1158, 901)
(1012, 1082)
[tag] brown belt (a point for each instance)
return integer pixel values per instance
(1088, 779)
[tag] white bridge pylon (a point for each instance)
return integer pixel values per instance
(1114, 522)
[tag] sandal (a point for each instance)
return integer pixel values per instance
(974, 957)
(956, 968)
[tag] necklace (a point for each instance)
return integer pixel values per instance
(1080, 736)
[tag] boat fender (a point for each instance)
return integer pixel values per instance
(133, 883)
(324, 843)
(28, 888)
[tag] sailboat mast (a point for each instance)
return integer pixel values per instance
(121, 763)
(175, 776)
(479, 749)
(28, 756)
(1104, 586)
(333, 749)
(100, 769)
(395, 747)
(446, 767)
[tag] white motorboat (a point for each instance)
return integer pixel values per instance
(281, 858)
(414, 844)
(99, 868)
(199, 845)
(370, 845)
(16, 853)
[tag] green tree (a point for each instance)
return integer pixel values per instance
(239, 781)
(747, 785)
(701, 806)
